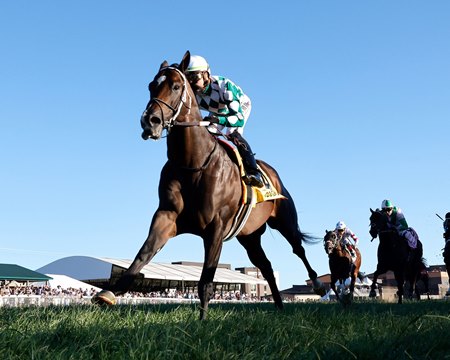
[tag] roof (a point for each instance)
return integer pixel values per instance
(19, 273)
(187, 272)
(66, 282)
(298, 290)
(89, 268)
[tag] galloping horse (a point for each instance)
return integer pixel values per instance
(394, 254)
(200, 190)
(341, 264)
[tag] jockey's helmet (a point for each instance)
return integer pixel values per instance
(387, 204)
(447, 216)
(198, 63)
(340, 225)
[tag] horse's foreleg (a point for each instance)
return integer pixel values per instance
(163, 227)
(256, 254)
(333, 287)
(352, 283)
(399, 278)
(213, 248)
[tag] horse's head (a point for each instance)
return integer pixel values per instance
(330, 241)
(378, 222)
(170, 97)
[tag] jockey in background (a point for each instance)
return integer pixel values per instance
(229, 109)
(346, 236)
(397, 221)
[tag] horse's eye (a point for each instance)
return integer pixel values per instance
(176, 87)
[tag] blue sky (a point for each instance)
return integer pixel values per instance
(350, 105)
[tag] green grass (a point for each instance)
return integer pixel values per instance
(232, 331)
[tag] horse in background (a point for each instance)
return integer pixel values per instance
(394, 254)
(446, 250)
(341, 267)
(200, 191)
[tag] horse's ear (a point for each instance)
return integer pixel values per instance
(164, 64)
(371, 210)
(185, 62)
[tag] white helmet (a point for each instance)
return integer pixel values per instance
(387, 204)
(340, 225)
(198, 63)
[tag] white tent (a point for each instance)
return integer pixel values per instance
(66, 282)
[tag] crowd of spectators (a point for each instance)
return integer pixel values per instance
(46, 290)
(58, 291)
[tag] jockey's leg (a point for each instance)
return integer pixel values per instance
(253, 176)
(352, 250)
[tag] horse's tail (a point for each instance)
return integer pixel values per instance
(423, 263)
(309, 239)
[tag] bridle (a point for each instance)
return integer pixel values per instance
(168, 124)
(373, 225)
(333, 239)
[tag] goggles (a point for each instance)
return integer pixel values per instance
(194, 76)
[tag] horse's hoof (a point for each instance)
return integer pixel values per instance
(104, 297)
(347, 299)
(318, 288)
(320, 291)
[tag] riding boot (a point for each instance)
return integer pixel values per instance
(253, 175)
(352, 251)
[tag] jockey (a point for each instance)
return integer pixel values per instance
(397, 221)
(345, 234)
(229, 109)
(446, 226)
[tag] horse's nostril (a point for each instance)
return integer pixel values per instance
(155, 120)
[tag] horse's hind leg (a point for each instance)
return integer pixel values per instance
(256, 254)
(373, 293)
(286, 223)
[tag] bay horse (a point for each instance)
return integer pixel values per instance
(200, 191)
(341, 265)
(395, 255)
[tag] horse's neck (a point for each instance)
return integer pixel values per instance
(388, 238)
(190, 146)
(339, 250)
